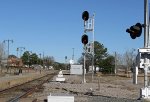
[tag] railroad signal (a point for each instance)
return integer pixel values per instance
(85, 15)
(84, 39)
(88, 48)
(135, 30)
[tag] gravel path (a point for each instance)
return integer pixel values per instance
(110, 89)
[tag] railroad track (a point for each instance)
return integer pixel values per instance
(14, 94)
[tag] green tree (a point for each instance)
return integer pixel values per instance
(108, 64)
(58, 66)
(100, 54)
(40, 61)
(34, 58)
(25, 57)
(29, 58)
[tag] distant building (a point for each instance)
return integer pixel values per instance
(77, 69)
(13, 61)
(4, 62)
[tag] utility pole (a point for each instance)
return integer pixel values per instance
(40, 58)
(29, 58)
(66, 62)
(115, 71)
(17, 52)
(73, 54)
(21, 49)
(43, 61)
(8, 41)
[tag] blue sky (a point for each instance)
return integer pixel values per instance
(56, 26)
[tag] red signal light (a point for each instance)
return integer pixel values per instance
(84, 39)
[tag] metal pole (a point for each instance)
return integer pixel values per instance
(29, 58)
(115, 63)
(17, 52)
(20, 52)
(93, 46)
(43, 61)
(146, 23)
(40, 59)
(8, 48)
(84, 64)
(66, 62)
(73, 54)
(84, 54)
(21, 49)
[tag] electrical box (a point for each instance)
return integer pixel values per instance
(142, 54)
(76, 69)
(60, 98)
(145, 92)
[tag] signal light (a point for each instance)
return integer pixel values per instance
(84, 39)
(135, 30)
(85, 15)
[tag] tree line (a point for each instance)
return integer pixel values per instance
(102, 59)
(108, 63)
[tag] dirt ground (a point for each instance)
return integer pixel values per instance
(101, 85)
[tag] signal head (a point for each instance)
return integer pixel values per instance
(85, 15)
(135, 30)
(84, 39)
